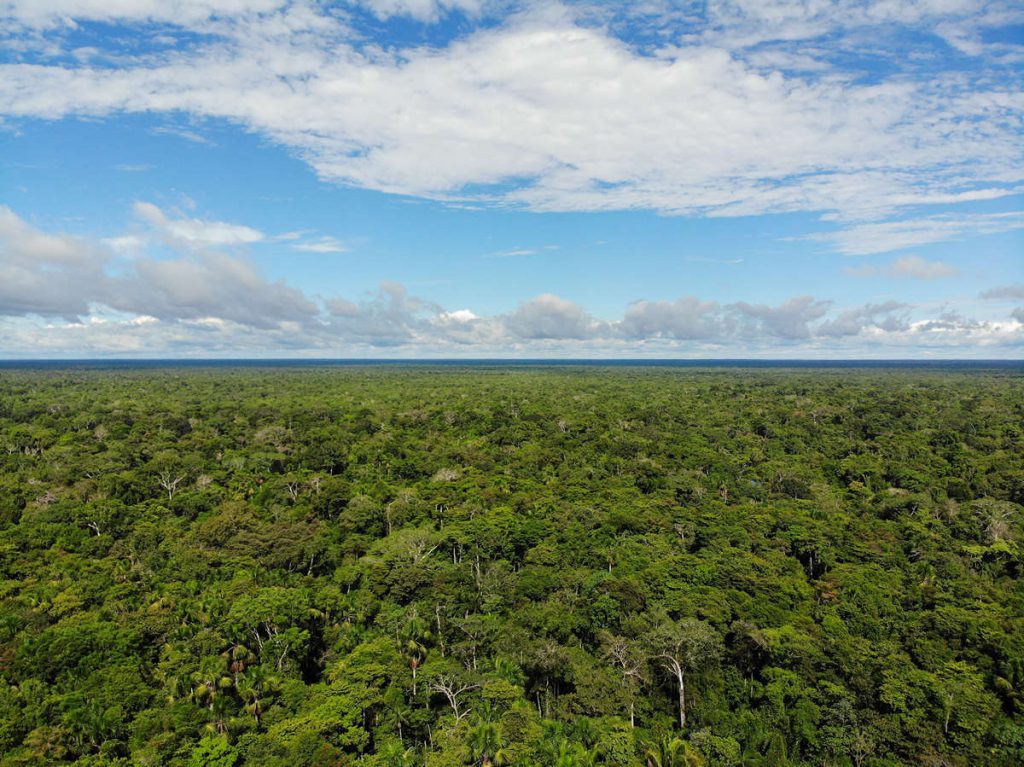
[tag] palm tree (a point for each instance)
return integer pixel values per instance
(672, 752)
(254, 687)
(221, 721)
(181, 687)
(487, 745)
(239, 657)
(1009, 682)
(415, 654)
(395, 754)
(210, 680)
(88, 723)
(571, 754)
(397, 710)
(586, 731)
(417, 632)
(509, 671)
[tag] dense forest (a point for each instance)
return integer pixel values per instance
(533, 567)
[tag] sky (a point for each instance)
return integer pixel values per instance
(512, 178)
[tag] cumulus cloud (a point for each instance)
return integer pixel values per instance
(550, 317)
(1005, 293)
(391, 317)
(544, 110)
(684, 318)
(211, 285)
(47, 274)
(62, 294)
(60, 275)
(949, 321)
(881, 317)
(789, 320)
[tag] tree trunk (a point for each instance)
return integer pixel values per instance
(682, 700)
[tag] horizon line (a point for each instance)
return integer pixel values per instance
(14, 361)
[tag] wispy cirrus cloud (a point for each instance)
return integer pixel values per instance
(320, 245)
(905, 267)
(194, 232)
(513, 253)
(182, 133)
(883, 237)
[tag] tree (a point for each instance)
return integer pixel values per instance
(416, 633)
(672, 752)
(682, 647)
(864, 552)
(966, 704)
(487, 745)
(452, 688)
(625, 655)
(213, 751)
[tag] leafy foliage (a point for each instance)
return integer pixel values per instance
(511, 566)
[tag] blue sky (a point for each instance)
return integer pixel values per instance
(449, 178)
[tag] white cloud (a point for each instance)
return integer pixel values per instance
(213, 285)
(879, 317)
(752, 23)
(789, 320)
(919, 268)
(550, 317)
(321, 245)
(545, 112)
(44, 13)
(513, 253)
(62, 294)
(126, 245)
(909, 266)
(423, 10)
(684, 318)
(184, 133)
(865, 239)
(391, 317)
(47, 274)
(60, 275)
(194, 232)
(459, 315)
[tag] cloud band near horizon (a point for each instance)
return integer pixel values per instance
(67, 294)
